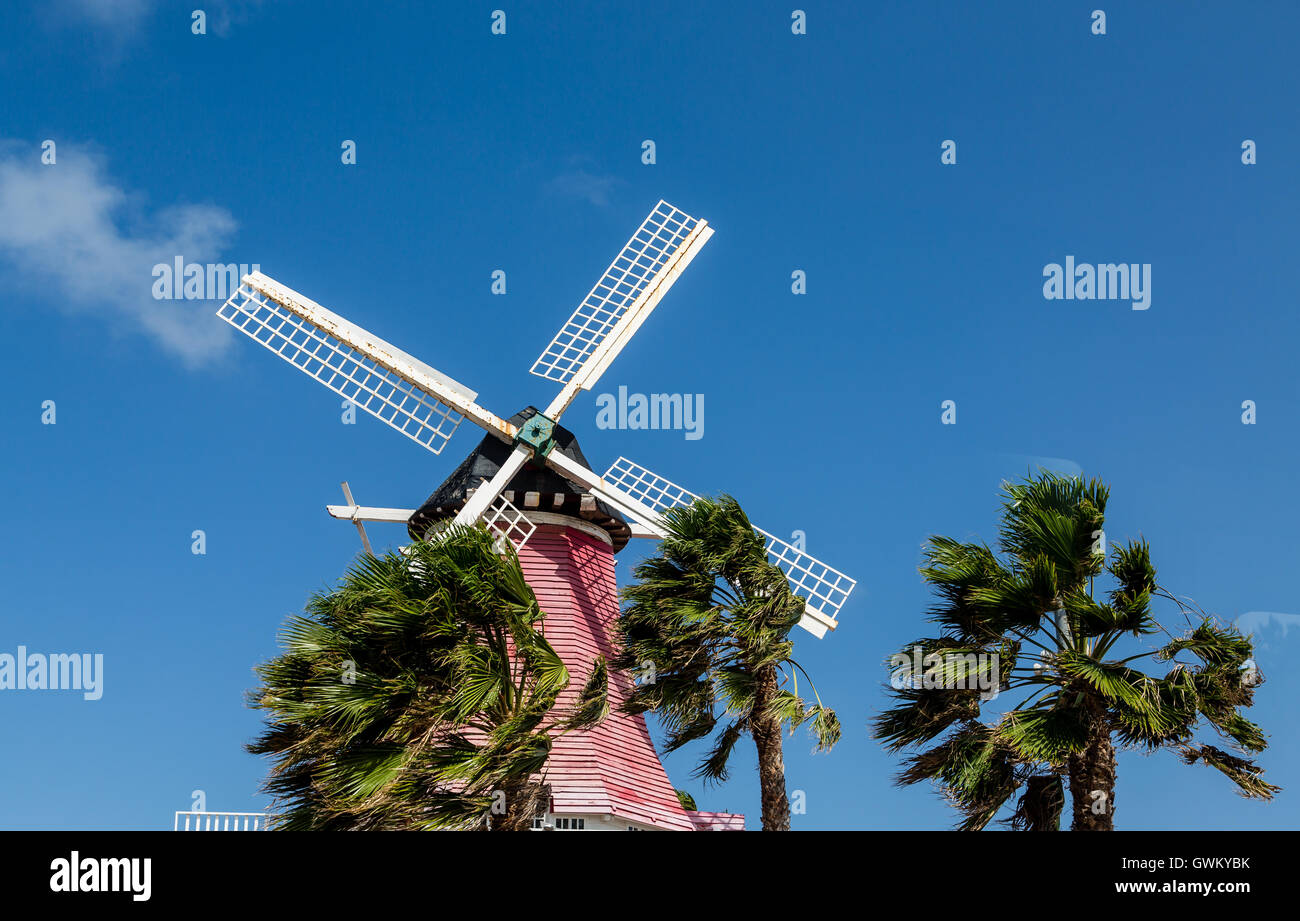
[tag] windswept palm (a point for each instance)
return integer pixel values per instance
(706, 630)
(1028, 622)
(418, 694)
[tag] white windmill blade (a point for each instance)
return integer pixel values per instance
(649, 521)
(508, 523)
(361, 528)
(489, 504)
(660, 250)
(370, 513)
(417, 400)
(823, 589)
(476, 506)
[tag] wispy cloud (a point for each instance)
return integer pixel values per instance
(84, 243)
(113, 21)
(121, 19)
(583, 184)
(1256, 621)
(1033, 463)
(223, 14)
(125, 13)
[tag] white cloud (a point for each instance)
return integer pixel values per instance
(579, 183)
(1255, 621)
(123, 15)
(82, 242)
(122, 18)
(1035, 463)
(223, 15)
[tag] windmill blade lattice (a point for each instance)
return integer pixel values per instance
(381, 389)
(508, 522)
(628, 277)
(824, 588)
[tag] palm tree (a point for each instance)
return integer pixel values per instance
(706, 628)
(419, 694)
(1028, 622)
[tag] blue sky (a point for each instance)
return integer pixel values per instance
(522, 152)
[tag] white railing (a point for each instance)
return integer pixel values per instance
(221, 821)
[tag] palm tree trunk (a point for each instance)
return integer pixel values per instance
(1092, 777)
(766, 731)
(1040, 808)
(523, 803)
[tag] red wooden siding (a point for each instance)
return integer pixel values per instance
(612, 769)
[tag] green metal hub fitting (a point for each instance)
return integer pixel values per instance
(539, 434)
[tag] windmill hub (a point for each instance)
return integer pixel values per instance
(537, 433)
(533, 488)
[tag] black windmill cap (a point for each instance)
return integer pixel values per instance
(486, 459)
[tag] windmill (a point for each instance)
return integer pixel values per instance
(572, 519)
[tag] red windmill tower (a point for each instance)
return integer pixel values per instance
(529, 480)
